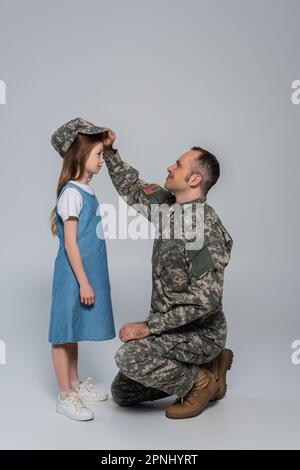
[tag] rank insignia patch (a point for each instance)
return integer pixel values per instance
(151, 188)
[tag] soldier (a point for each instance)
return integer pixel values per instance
(179, 348)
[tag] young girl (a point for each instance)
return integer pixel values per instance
(81, 307)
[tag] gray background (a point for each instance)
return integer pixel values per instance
(165, 75)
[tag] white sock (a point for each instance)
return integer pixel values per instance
(64, 394)
(75, 384)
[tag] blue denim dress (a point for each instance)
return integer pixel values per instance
(71, 320)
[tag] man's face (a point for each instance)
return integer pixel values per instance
(178, 172)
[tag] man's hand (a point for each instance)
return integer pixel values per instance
(109, 140)
(137, 330)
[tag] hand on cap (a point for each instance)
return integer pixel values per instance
(109, 140)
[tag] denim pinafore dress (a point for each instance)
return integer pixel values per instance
(71, 320)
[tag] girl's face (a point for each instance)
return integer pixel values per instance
(95, 159)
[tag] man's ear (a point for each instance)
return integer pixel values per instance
(196, 180)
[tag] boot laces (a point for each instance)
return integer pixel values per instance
(197, 390)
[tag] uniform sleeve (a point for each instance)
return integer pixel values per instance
(136, 192)
(203, 298)
(70, 203)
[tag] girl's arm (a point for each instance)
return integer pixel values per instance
(87, 295)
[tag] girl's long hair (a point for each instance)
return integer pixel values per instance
(74, 164)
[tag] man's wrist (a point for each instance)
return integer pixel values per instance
(109, 151)
(155, 324)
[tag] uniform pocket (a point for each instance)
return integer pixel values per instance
(174, 276)
(170, 265)
(201, 261)
(167, 342)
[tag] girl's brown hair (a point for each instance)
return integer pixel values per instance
(74, 164)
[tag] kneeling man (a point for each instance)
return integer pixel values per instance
(180, 348)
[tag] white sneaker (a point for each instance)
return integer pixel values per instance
(89, 394)
(73, 408)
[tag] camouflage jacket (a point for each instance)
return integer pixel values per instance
(187, 284)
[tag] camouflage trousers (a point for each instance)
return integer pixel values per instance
(159, 366)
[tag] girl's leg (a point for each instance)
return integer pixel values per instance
(61, 362)
(73, 364)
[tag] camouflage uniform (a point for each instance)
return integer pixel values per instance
(186, 320)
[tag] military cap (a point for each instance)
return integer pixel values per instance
(65, 135)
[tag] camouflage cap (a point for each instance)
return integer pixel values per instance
(64, 136)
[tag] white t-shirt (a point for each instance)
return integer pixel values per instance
(71, 202)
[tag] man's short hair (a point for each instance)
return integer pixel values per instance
(206, 164)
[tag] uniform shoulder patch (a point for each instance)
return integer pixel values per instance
(151, 189)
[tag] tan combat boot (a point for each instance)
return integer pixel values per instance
(219, 367)
(205, 389)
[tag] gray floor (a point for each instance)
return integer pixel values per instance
(238, 422)
(250, 417)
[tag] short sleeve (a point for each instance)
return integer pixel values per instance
(70, 203)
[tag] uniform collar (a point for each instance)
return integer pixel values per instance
(192, 217)
(201, 200)
(188, 205)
